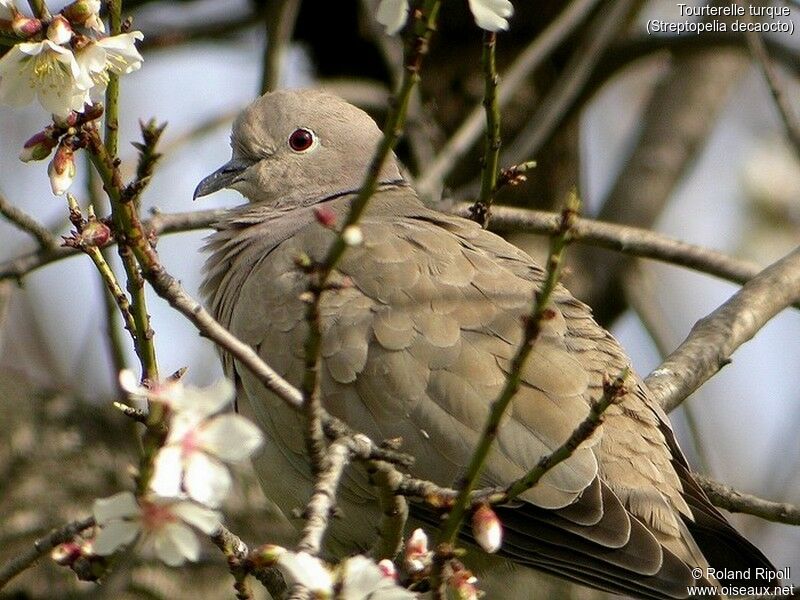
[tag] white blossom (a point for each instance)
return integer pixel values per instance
(116, 54)
(46, 71)
(392, 14)
(300, 568)
(491, 15)
(199, 442)
(163, 522)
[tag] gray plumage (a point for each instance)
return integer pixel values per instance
(419, 345)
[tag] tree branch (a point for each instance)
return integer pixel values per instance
(40, 547)
(715, 337)
(732, 500)
(27, 223)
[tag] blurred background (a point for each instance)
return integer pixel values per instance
(678, 133)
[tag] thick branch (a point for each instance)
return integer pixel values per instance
(714, 338)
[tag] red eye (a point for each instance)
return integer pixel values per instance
(301, 140)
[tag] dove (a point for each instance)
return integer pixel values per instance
(417, 343)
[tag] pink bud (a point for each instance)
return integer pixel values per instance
(25, 26)
(59, 31)
(487, 528)
(62, 170)
(95, 233)
(464, 584)
(416, 552)
(325, 216)
(388, 569)
(38, 147)
(66, 554)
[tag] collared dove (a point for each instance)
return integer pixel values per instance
(417, 345)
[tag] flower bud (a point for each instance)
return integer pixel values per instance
(352, 235)
(62, 170)
(66, 554)
(267, 555)
(325, 216)
(487, 528)
(38, 147)
(95, 233)
(84, 12)
(464, 584)
(388, 569)
(25, 26)
(416, 552)
(59, 31)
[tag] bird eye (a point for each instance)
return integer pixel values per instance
(302, 140)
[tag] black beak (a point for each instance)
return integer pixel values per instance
(221, 178)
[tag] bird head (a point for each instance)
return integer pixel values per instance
(294, 148)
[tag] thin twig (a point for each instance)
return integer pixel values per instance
(27, 557)
(424, 25)
(540, 313)
(777, 87)
(567, 89)
(27, 223)
(481, 210)
(236, 552)
(732, 500)
(715, 337)
(527, 62)
(394, 509)
(630, 240)
(613, 390)
(39, 9)
(280, 17)
(321, 505)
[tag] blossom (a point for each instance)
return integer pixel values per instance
(64, 72)
(298, 568)
(116, 54)
(164, 522)
(392, 14)
(199, 442)
(44, 70)
(61, 170)
(491, 15)
(487, 528)
(416, 555)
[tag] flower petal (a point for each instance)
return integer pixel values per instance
(206, 401)
(118, 506)
(231, 437)
(491, 15)
(206, 480)
(113, 536)
(167, 472)
(392, 14)
(174, 543)
(205, 519)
